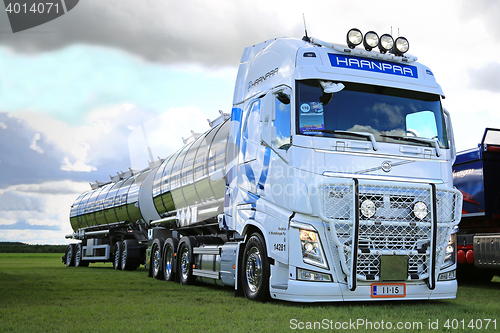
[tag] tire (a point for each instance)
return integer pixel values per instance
(79, 262)
(70, 255)
(185, 260)
(129, 258)
(169, 255)
(117, 256)
(157, 259)
(255, 269)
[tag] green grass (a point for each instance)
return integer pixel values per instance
(39, 294)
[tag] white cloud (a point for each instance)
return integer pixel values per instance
(34, 145)
(163, 134)
(43, 208)
(84, 148)
(3, 125)
(107, 135)
(78, 166)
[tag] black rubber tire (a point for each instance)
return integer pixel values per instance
(117, 256)
(255, 270)
(129, 259)
(185, 260)
(70, 255)
(169, 258)
(157, 259)
(79, 262)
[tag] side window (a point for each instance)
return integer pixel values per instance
(252, 130)
(282, 119)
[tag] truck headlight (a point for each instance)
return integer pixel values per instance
(306, 275)
(370, 41)
(368, 208)
(450, 253)
(401, 46)
(354, 38)
(386, 43)
(312, 253)
(420, 210)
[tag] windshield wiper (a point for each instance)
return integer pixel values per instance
(432, 142)
(358, 134)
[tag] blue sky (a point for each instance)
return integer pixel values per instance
(74, 89)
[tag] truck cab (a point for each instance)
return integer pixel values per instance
(341, 159)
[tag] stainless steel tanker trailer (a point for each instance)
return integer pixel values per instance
(330, 180)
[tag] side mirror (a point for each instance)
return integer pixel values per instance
(267, 109)
(451, 135)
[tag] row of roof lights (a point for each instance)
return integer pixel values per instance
(371, 40)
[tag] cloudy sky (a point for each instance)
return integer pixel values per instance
(75, 91)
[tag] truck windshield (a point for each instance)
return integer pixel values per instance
(391, 115)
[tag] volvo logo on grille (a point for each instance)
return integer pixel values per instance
(386, 166)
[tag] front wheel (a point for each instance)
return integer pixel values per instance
(255, 269)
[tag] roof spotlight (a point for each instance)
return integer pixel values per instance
(386, 43)
(401, 46)
(354, 38)
(370, 41)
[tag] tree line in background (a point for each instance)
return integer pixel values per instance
(17, 247)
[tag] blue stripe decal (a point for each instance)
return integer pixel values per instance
(265, 166)
(230, 175)
(236, 114)
(248, 171)
(249, 197)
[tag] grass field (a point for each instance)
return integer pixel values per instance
(39, 294)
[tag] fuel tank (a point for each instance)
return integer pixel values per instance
(189, 184)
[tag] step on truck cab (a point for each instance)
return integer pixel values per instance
(330, 180)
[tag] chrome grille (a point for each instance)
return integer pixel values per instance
(392, 230)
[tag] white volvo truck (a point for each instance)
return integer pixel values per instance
(330, 180)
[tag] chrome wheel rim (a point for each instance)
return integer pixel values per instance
(168, 263)
(185, 263)
(254, 269)
(69, 254)
(78, 255)
(156, 261)
(117, 256)
(124, 255)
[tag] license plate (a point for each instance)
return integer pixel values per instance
(388, 289)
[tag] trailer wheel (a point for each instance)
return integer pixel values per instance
(129, 261)
(79, 262)
(169, 253)
(186, 260)
(118, 255)
(156, 259)
(255, 269)
(70, 255)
